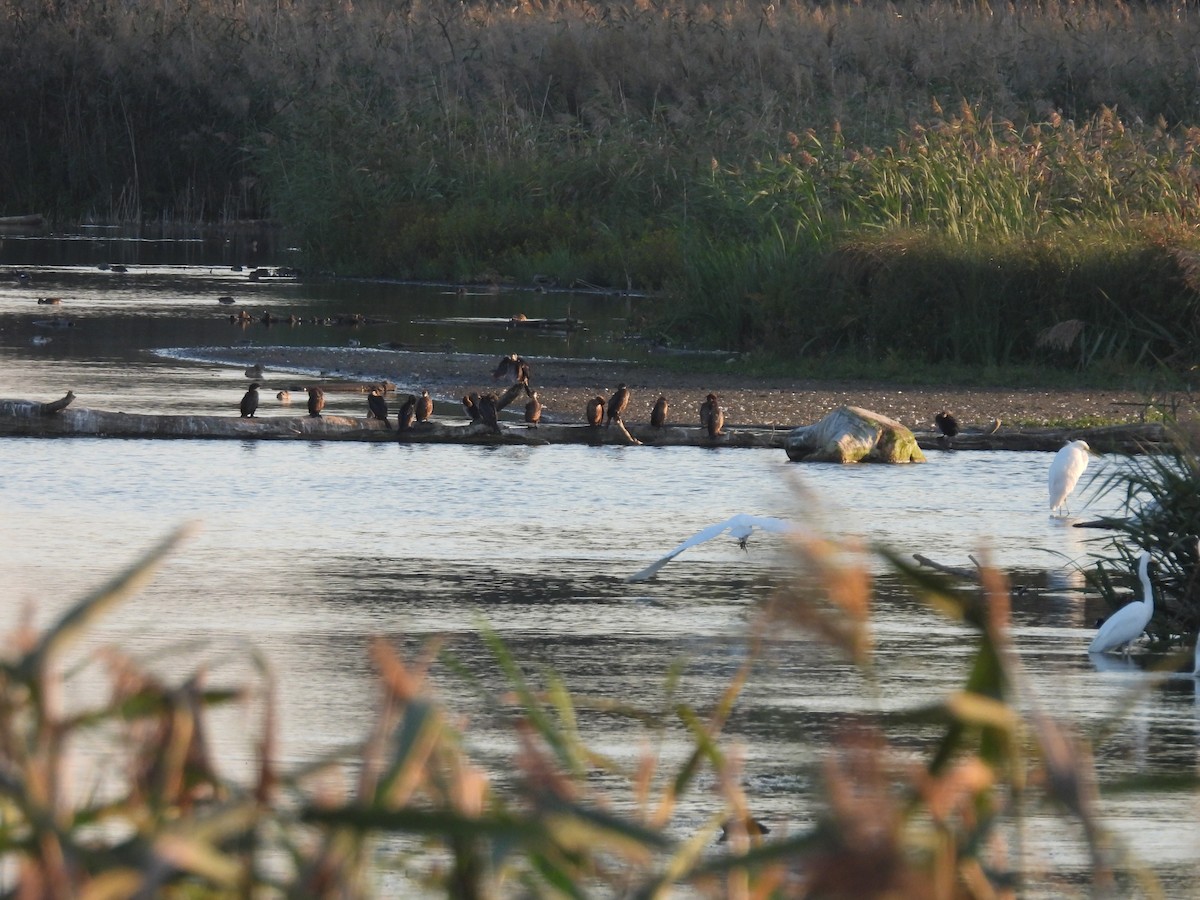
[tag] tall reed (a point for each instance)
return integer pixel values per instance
(616, 142)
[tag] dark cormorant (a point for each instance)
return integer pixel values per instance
(519, 368)
(533, 410)
(512, 361)
(407, 414)
(946, 423)
(316, 401)
(488, 412)
(595, 411)
(424, 407)
(617, 403)
(470, 403)
(377, 406)
(658, 415)
(712, 417)
(250, 401)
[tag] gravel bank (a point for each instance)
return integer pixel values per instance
(564, 386)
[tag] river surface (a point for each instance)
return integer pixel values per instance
(308, 550)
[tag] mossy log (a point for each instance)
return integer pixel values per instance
(29, 418)
(850, 434)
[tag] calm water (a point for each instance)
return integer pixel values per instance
(308, 550)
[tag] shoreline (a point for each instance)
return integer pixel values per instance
(565, 386)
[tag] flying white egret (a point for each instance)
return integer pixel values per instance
(1068, 465)
(1128, 622)
(740, 527)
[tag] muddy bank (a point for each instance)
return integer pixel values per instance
(565, 386)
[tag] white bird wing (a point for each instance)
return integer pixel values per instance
(766, 523)
(742, 523)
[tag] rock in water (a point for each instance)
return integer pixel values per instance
(850, 434)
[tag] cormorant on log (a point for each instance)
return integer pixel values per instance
(407, 414)
(595, 411)
(658, 415)
(533, 410)
(488, 412)
(511, 363)
(424, 407)
(377, 406)
(470, 403)
(316, 401)
(250, 401)
(946, 423)
(617, 403)
(712, 417)
(518, 367)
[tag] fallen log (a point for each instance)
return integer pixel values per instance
(958, 572)
(1139, 438)
(49, 409)
(23, 418)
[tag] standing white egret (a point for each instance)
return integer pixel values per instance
(740, 527)
(1128, 622)
(1068, 465)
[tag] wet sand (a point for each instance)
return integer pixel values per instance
(564, 387)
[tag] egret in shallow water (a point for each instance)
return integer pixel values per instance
(1128, 622)
(1068, 465)
(739, 527)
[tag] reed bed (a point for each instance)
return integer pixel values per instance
(940, 818)
(654, 146)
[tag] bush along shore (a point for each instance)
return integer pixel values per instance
(925, 182)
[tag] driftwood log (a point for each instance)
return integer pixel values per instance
(28, 418)
(850, 434)
(55, 419)
(1139, 438)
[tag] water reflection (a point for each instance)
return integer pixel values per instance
(309, 550)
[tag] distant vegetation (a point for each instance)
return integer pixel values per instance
(977, 184)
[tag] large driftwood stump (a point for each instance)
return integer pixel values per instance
(850, 434)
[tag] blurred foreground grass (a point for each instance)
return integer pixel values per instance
(949, 826)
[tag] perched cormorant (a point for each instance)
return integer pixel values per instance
(617, 403)
(316, 401)
(424, 407)
(595, 411)
(533, 410)
(250, 401)
(407, 414)
(946, 423)
(658, 415)
(712, 417)
(488, 412)
(377, 406)
(511, 362)
(470, 403)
